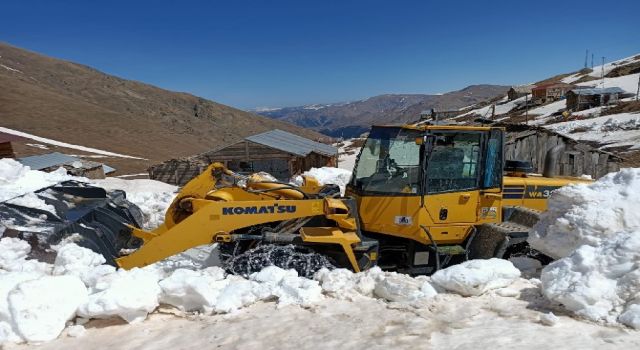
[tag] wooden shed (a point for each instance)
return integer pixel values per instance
(276, 152)
(519, 91)
(581, 99)
(550, 92)
(532, 143)
(6, 148)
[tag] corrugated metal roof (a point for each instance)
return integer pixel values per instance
(598, 91)
(292, 143)
(49, 160)
(44, 161)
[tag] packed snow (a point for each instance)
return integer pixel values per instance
(588, 213)
(17, 180)
(594, 230)
(476, 277)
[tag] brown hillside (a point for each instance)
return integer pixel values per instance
(76, 104)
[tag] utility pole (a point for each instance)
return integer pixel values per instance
(526, 109)
(592, 61)
(586, 58)
(602, 71)
(638, 91)
(493, 111)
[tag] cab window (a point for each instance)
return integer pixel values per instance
(453, 162)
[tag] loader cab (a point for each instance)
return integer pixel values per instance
(444, 179)
(410, 161)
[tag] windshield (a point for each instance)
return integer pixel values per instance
(389, 162)
(453, 164)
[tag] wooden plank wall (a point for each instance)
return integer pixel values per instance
(6, 151)
(578, 159)
(180, 171)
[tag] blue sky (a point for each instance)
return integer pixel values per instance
(282, 53)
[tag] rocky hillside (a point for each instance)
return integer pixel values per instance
(77, 104)
(352, 118)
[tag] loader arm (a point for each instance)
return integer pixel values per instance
(213, 206)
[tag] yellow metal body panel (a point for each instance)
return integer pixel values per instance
(333, 235)
(403, 216)
(533, 191)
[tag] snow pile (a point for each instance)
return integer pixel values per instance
(81, 262)
(476, 277)
(326, 176)
(209, 290)
(17, 179)
(40, 308)
(131, 295)
(588, 214)
(13, 257)
(346, 285)
(404, 289)
(595, 231)
(601, 283)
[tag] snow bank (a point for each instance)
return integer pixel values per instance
(129, 294)
(601, 283)
(40, 308)
(190, 290)
(595, 231)
(17, 179)
(13, 257)
(476, 277)
(588, 213)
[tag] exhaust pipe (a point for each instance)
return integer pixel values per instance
(551, 161)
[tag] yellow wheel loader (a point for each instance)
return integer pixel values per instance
(420, 198)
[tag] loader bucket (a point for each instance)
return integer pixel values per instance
(87, 215)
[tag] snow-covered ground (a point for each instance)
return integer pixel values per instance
(64, 144)
(347, 154)
(477, 304)
(503, 106)
(621, 129)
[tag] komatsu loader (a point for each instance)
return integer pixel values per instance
(421, 197)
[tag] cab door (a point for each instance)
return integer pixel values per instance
(453, 177)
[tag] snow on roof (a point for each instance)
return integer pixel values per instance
(292, 143)
(49, 160)
(598, 91)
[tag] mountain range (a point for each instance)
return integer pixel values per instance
(351, 119)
